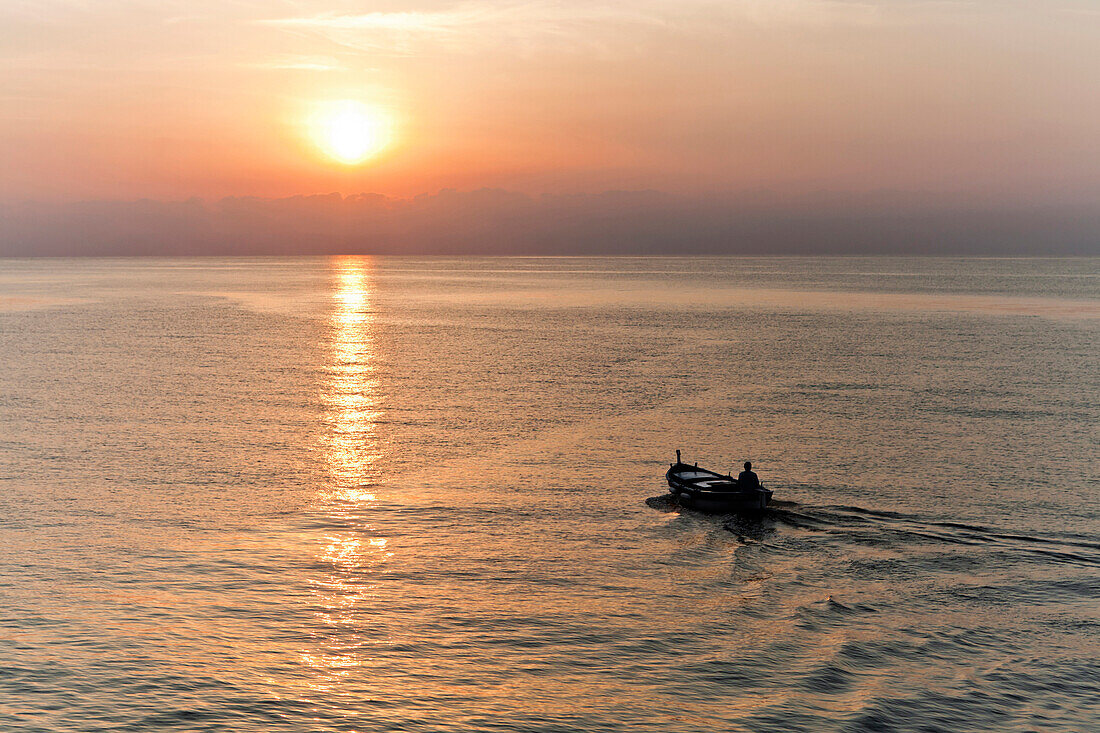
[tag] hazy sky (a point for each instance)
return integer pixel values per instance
(987, 100)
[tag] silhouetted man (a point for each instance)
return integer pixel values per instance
(747, 478)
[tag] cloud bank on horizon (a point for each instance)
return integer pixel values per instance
(987, 104)
(498, 222)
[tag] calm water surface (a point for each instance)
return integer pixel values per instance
(382, 494)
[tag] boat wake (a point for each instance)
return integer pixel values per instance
(664, 503)
(887, 529)
(870, 526)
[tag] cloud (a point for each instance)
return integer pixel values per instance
(300, 63)
(532, 18)
(469, 27)
(498, 222)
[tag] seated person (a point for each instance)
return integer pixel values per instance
(748, 478)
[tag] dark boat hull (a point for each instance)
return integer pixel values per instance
(706, 491)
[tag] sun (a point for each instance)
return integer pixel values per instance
(349, 131)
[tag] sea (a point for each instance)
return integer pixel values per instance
(389, 494)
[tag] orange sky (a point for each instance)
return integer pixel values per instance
(207, 98)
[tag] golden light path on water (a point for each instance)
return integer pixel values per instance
(351, 452)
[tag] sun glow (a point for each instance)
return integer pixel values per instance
(349, 131)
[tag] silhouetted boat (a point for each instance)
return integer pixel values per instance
(713, 493)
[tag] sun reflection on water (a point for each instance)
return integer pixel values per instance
(351, 397)
(351, 451)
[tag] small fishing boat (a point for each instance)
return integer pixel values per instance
(713, 493)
